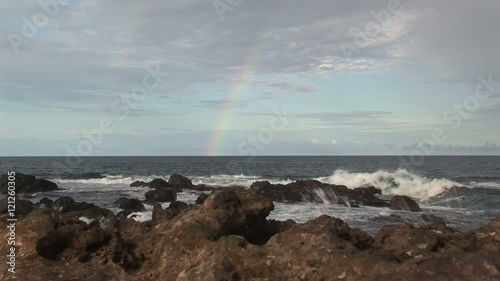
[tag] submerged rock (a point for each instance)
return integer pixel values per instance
(405, 203)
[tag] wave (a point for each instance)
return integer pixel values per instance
(218, 180)
(399, 182)
(91, 175)
(240, 180)
(105, 180)
(488, 185)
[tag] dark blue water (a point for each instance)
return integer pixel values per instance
(458, 168)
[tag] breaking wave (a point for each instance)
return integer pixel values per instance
(399, 182)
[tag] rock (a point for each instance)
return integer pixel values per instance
(405, 203)
(488, 236)
(161, 195)
(259, 185)
(130, 205)
(64, 202)
(201, 199)
(230, 238)
(406, 241)
(201, 187)
(27, 184)
(178, 205)
(22, 207)
(236, 211)
(179, 181)
(67, 204)
(278, 192)
(45, 202)
(158, 183)
(434, 219)
(316, 191)
(138, 184)
(162, 215)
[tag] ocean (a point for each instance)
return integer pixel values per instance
(465, 190)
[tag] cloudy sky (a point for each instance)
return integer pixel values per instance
(241, 77)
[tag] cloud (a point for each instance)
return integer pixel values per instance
(284, 85)
(223, 103)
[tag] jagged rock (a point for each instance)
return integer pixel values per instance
(130, 205)
(316, 191)
(229, 238)
(27, 184)
(161, 195)
(201, 199)
(178, 205)
(405, 241)
(46, 202)
(179, 181)
(162, 215)
(405, 203)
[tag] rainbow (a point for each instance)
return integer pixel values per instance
(240, 83)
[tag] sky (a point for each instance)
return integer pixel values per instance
(249, 78)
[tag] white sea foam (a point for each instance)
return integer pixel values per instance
(141, 216)
(220, 180)
(226, 180)
(492, 185)
(86, 220)
(400, 182)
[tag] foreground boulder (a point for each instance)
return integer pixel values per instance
(27, 184)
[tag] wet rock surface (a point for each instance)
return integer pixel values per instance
(404, 203)
(27, 184)
(229, 237)
(316, 191)
(161, 195)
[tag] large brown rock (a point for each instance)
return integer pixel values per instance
(229, 238)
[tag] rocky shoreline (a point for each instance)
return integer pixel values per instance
(227, 236)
